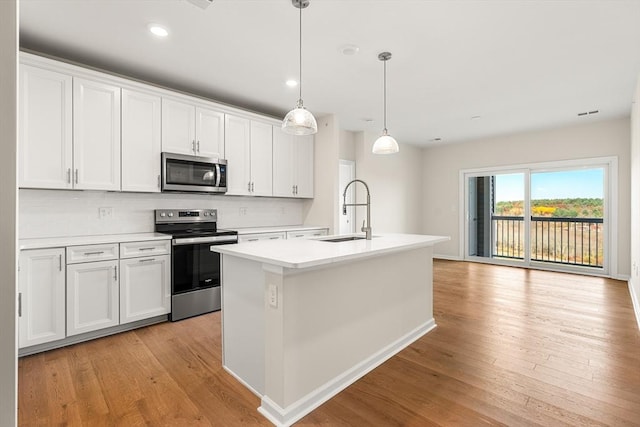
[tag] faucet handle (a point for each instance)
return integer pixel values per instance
(363, 227)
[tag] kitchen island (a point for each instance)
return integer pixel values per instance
(304, 319)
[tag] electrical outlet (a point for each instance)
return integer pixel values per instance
(273, 295)
(105, 212)
(242, 211)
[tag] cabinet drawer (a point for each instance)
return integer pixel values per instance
(88, 253)
(305, 234)
(145, 248)
(261, 236)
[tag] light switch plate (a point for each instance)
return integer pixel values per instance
(273, 296)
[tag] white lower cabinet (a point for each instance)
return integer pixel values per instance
(41, 298)
(92, 296)
(145, 287)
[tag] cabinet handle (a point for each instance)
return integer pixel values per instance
(296, 189)
(115, 273)
(252, 240)
(158, 181)
(193, 146)
(60, 262)
(69, 176)
(249, 187)
(147, 249)
(94, 253)
(20, 304)
(76, 176)
(274, 238)
(147, 260)
(252, 186)
(293, 189)
(198, 146)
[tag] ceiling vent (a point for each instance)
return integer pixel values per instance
(202, 4)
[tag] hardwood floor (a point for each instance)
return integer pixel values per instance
(513, 347)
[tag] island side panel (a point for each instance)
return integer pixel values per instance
(243, 339)
(332, 321)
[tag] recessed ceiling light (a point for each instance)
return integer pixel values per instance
(475, 117)
(349, 49)
(291, 83)
(158, 30)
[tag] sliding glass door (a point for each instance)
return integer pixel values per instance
(544, 217)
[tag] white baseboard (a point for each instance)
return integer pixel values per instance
(243, 382)
(448, 257)
(634, 301)
(287, 416)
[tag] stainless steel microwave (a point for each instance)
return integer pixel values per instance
(193, 174)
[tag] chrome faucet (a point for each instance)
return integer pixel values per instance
(367, 228)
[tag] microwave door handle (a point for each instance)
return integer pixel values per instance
(217, 175)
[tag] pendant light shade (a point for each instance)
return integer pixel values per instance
(300, 121)
(385, 144)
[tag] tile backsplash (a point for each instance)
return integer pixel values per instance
(57, 213)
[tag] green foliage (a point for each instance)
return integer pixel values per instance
(564, 208)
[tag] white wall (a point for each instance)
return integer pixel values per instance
(634, 283)
(441, 166)
(53, 213)
(8, 202)
(322, 210)
(395, 182)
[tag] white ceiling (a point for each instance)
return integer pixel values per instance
(520, 65)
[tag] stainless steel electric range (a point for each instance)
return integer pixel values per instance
(195, 270)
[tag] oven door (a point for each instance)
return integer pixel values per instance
(193, 174)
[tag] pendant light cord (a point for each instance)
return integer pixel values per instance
(300, 44)
(385, 96)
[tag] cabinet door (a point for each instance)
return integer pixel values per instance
(304, 166)
(140, 141)
(96, 135)
(237, 150)
(209, 133)
(178, 127)
(92, 296)
(46, 141)
(41, 287)
(145, 288)
(283, 159)
(261, 159)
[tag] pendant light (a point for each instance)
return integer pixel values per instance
(300, 121)
(385, 144)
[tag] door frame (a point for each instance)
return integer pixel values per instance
(610, 211)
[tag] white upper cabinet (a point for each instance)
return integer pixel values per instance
(141, 127)
(46, 139)
(209, 133)
(192, 129)
(292, 165)
(238, 150)
(96, 135)
(249, 147)
(261, 159)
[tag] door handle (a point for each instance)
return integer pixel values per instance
(76, 176)
(115, 273)
(94, 253)
(20, 304)
(147, 260)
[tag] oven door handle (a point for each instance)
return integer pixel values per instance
(207, 239)
(218, 177)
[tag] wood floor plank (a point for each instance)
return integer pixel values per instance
(513, 347)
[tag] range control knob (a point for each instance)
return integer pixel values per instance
(206, 214)
(162, 214)
(170, 213)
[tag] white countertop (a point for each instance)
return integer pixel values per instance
(305, 253)
(56, 242)
(280, 229)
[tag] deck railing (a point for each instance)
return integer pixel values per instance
(572, 241)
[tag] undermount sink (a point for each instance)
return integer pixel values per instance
(343, 239)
